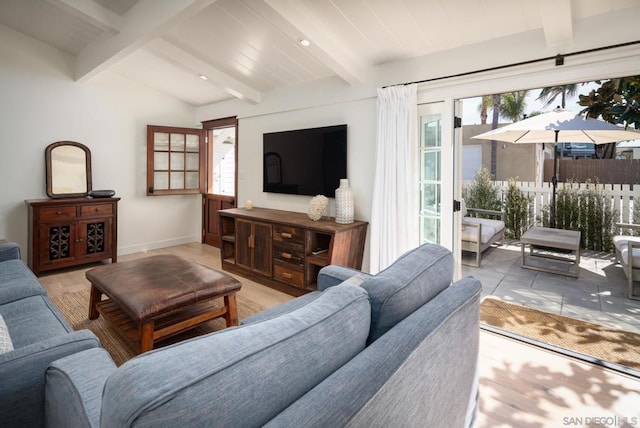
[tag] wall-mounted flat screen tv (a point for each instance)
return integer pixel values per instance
(305, 161)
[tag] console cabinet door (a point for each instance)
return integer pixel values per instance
(262, 252)
(253, 246)
(243, 243)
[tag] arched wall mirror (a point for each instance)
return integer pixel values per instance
(68, 167)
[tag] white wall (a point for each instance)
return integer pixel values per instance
(41, 104)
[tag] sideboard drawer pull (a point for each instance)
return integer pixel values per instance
(287, 275)
(286, 256)
(58, 212)
(285, 235)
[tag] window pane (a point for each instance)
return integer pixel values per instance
(160, 161)
(430, 199)
(177, 180)
(177, 161)
(160, 141)
(161, 180)
(430, 165)
(193, 143)
(192, 180)
(193, 161)
(177, 142)
(430, 131)
(430, 227)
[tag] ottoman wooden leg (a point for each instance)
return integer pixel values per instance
(146, 336)
(231, 317)
(96, 296)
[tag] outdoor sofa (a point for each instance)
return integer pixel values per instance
(33, 333)
(399, 348)
(480, 229)
(628, 255)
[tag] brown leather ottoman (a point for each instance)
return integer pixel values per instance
(159, 296)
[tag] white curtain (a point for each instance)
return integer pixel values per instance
(395, 207)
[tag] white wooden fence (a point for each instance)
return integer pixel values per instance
(622, 195)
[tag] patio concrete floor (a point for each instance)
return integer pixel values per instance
(598, 295)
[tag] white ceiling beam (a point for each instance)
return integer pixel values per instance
(557, 21)
(92, 12)
(146, 20)
(325, 48)
(183, 59)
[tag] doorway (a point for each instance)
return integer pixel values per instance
(221, 180)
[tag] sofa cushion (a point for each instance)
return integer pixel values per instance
(6, 344)
(622, 245)
(32, 320)
(411, 281)
(18, 282)
(496, 225)
(469, 233)
(240, 376)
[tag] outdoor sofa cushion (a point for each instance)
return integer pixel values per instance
(486, 231)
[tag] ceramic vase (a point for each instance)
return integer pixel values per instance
(344, 203)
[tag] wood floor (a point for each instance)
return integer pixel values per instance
(520, 385)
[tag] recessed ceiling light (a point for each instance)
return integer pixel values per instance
(203, 77)
(304, 42)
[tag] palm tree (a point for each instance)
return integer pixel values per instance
(550, 94)
(513, 105)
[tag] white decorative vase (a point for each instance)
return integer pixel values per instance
(344, 203)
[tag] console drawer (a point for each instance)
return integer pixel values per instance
(291, 274)
(96, 209)
(288, 234)
(288, 252)
(57, 213)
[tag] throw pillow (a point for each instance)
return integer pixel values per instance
(6, 344)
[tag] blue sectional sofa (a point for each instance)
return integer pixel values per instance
(399, 348)
(34, 334)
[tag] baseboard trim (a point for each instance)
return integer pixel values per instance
(141, 248)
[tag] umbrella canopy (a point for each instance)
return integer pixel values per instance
(559, 126)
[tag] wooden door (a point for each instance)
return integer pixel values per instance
(211, 204)
(221, 186)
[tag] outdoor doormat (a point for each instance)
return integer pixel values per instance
(75, 308)
(594, 340)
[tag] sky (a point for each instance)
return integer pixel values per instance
(471, 112)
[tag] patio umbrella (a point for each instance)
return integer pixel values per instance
(559, 126)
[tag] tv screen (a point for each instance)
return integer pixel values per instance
(305, 161)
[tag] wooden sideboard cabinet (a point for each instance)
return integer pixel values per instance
(70, 232)
(280, 249)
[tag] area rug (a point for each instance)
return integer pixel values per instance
(75, 308)
(595, 340)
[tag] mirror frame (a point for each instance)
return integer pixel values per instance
(49, 169)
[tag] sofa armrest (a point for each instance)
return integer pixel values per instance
(22, 372)
(492, 213)
(73, 388)
(478, 230)
(422, 372)
(328, 276)
(9, 251)
(332, 275)
(630, 226)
